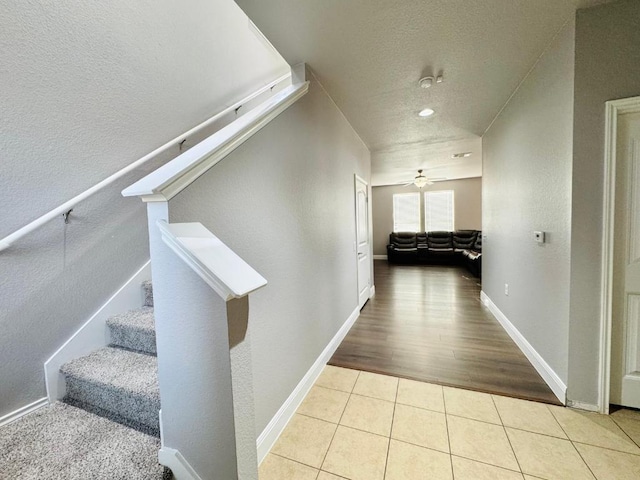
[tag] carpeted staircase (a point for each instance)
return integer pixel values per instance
(107, 427)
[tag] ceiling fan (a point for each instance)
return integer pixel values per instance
(420, 180)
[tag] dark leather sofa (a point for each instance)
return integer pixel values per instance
(462, 247)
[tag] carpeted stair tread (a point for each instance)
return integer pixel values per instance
(134, 330)
(62, 442)
(118, 381)
(147, 288)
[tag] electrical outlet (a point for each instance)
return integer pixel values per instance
(506, 289)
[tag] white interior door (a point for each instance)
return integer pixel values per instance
(362, 240)
(625, 334)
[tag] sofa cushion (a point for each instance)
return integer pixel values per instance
(477, 245)
(402, 240)
(464, 239)
(439, 240)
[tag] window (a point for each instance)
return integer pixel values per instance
(406, 212)
(438, 211)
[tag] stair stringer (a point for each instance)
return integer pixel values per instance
(93, 334)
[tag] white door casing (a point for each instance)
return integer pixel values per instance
(362, 240)
(625, 327)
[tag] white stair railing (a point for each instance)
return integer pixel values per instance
(215, 122)
(204, 355)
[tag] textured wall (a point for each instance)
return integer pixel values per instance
(467, 205)
(607, 67)
(526, 187)
(284, 201)
(87, 88)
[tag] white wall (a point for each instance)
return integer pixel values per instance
(284, 201)
(607, 67)
(87, 88)
(467, 205)
(527, 168)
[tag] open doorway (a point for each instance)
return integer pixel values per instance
(426, 321)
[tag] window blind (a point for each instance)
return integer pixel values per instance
(438, 211)
(406, 212)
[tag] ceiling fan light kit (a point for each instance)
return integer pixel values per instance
(420, 180)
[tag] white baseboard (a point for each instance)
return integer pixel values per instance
(583, 406)
(372, 291)
(179, 466)
(93, 334)
(546, 372)
(270, 434)
(379, 257)
(16, 414)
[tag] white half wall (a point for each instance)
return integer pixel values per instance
(284, 201)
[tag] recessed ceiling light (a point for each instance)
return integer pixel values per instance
(461, 155)
(427, 112)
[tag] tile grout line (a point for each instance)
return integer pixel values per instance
(504, 429)
(591, 444)
(572, 444)
(624, 431)
(294, 461)
(583, 459)
(605, 448)
(446, 422)
(489, 464)
(393, 419)
(324, 459)
(353, 428)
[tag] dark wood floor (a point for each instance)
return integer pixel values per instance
(427, 323)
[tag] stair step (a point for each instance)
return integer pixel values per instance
(118, 384)
(147, 288)
(62, 442)
(134, 330)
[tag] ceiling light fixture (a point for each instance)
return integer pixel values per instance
(461, 155)
(425, 82)
(427, 112)
(420, 181)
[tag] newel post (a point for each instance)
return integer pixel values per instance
(201, 304)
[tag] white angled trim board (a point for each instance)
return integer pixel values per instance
(21, 412)
(379, 257)
(179, 466)
(93, 333)
(276, 426)
(613, 108)
(542, 367)
(219, 266)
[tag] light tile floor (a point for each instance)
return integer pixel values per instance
(362, 426)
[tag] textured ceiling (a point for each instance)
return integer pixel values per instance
(370, 54)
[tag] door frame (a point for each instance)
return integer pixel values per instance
(613, 109)
(357, 178)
